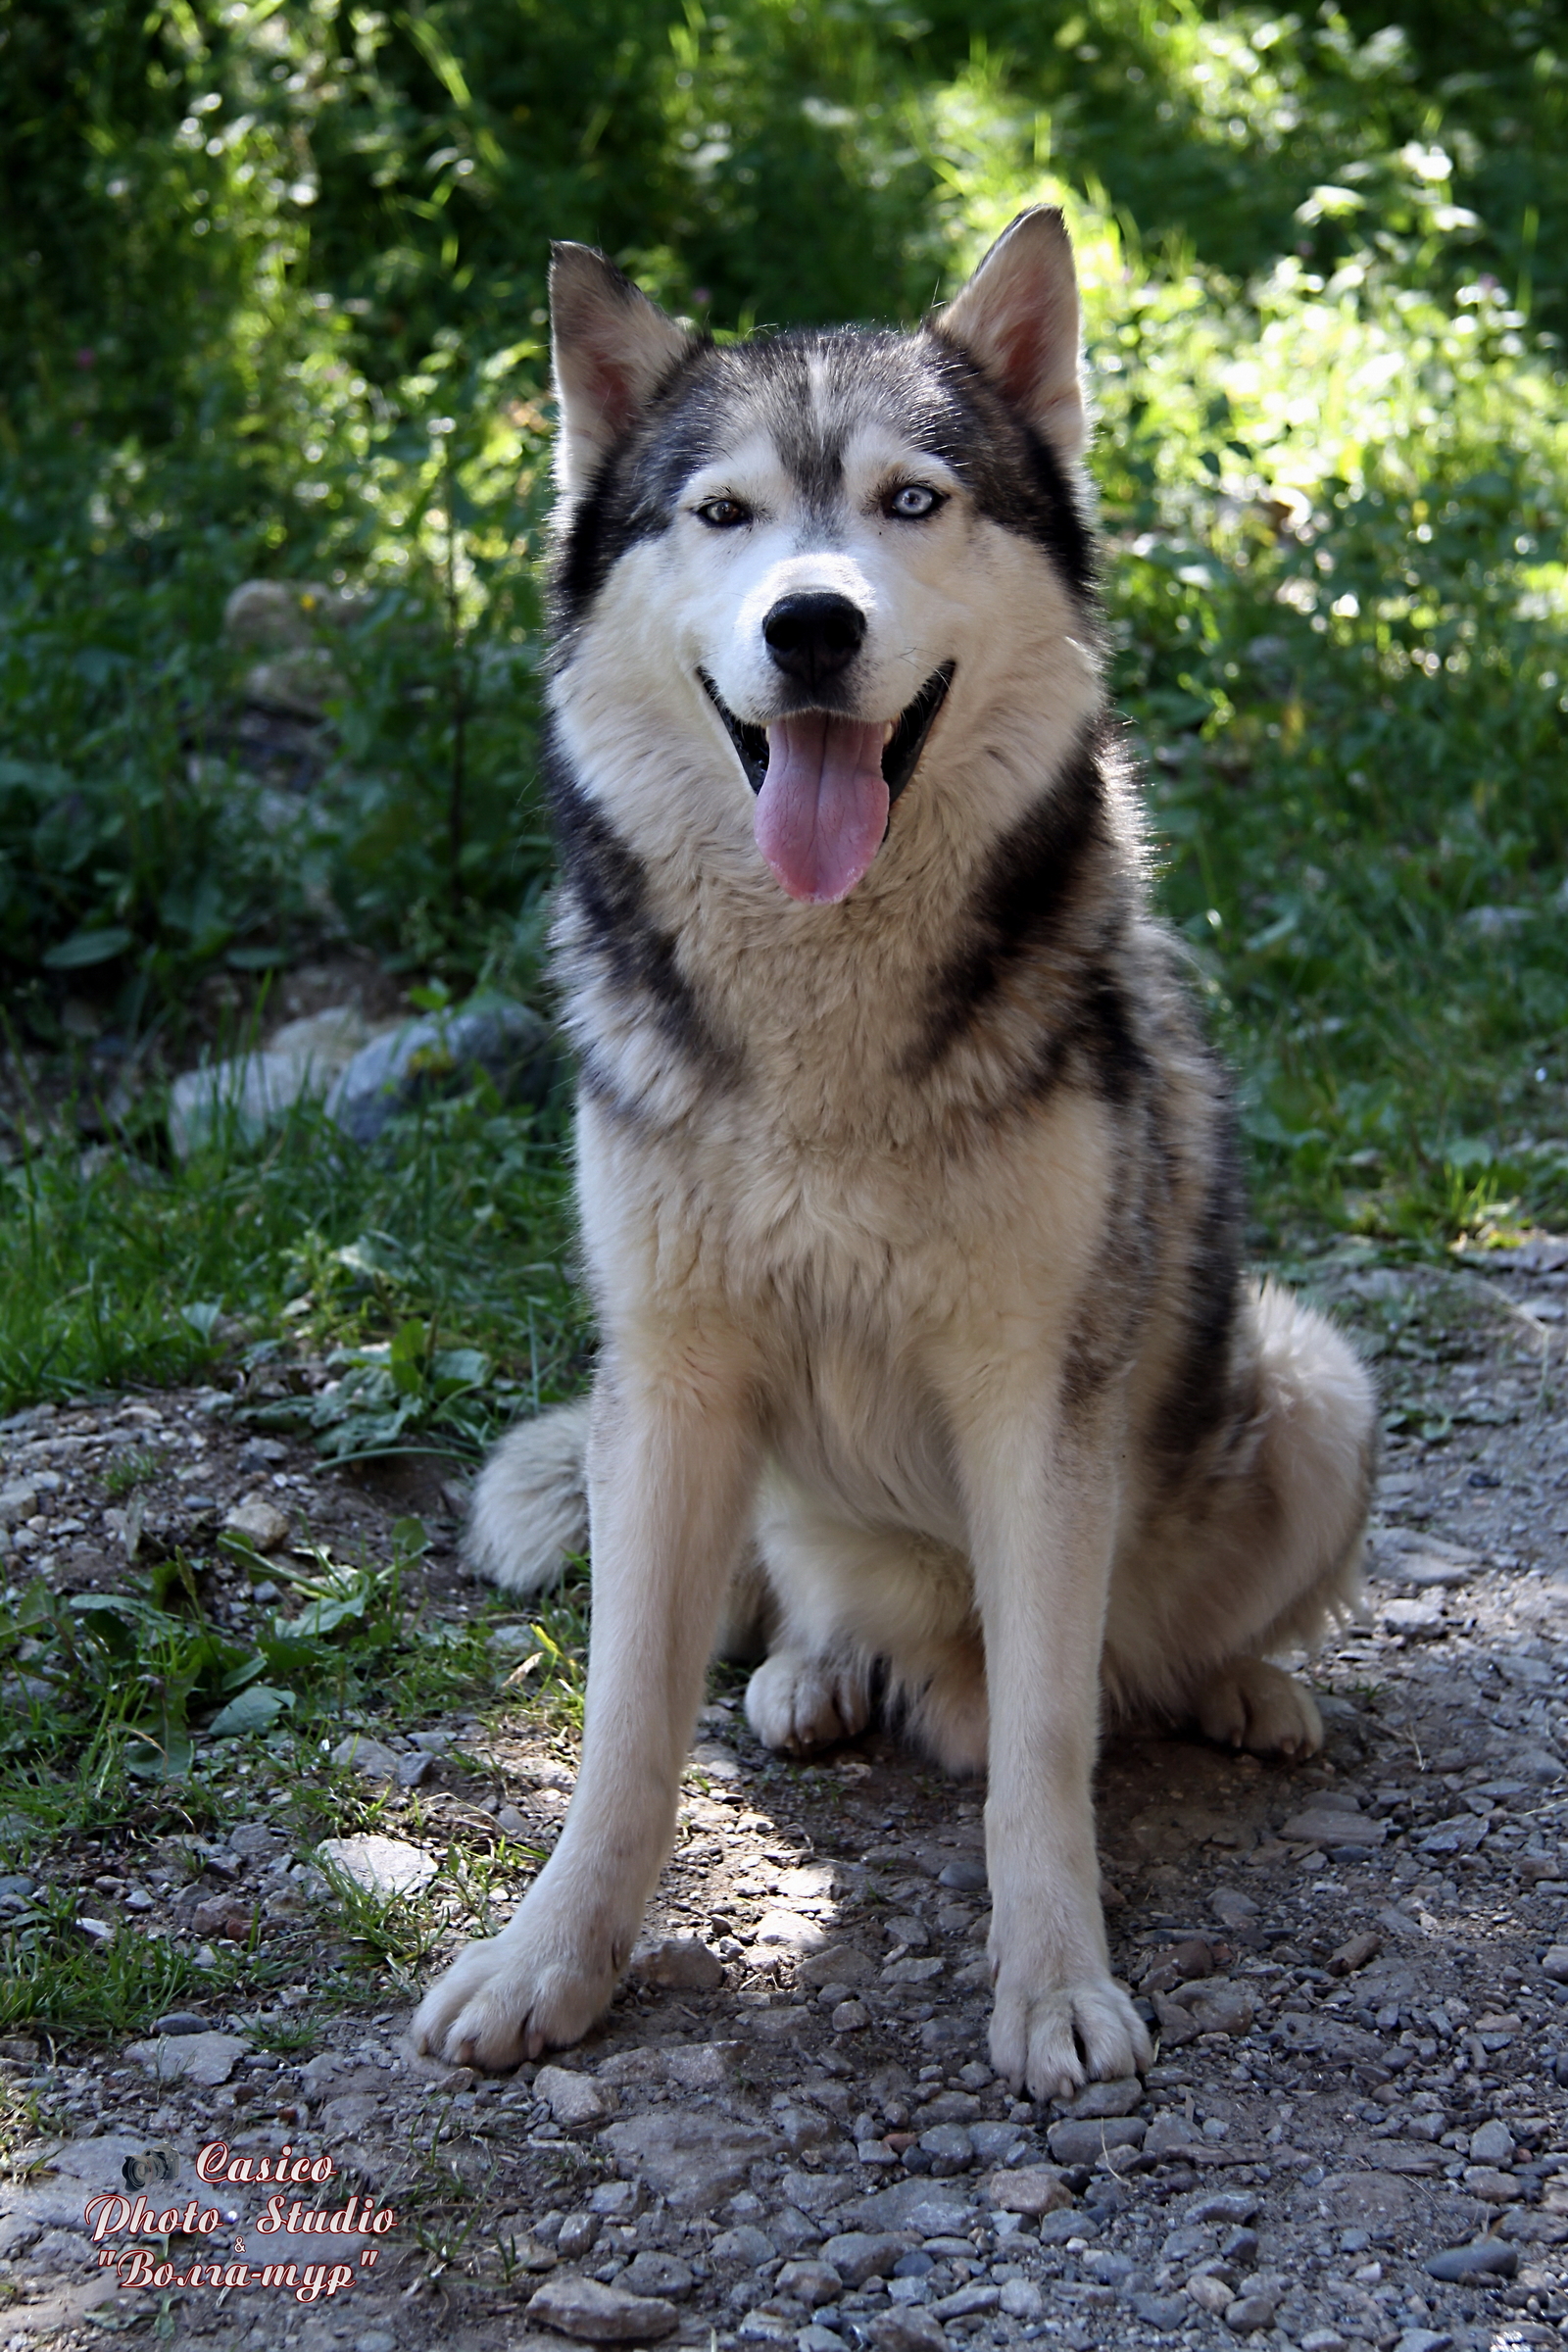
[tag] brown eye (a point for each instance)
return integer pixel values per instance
(724, 514)
(913, 502)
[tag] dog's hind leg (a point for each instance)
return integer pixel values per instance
(1250, 1704)
(530, 1501)
(851, 1600)
(1264, 1557)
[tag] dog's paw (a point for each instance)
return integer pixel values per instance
(796, 1701)
(1248, 1703)
(1051, 2040)
(510, 1997)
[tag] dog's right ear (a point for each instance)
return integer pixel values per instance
(611, 349)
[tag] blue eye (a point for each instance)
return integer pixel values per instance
(915, 501)
(724, 514)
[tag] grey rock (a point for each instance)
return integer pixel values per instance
(919, 2205)
(850, 2017)
(19, 1500)
(205, 2059)
(443, 1053)
(814, 2192)
(1169, 2134)
(996, 2144)
(251, 1092)
(745, 2245)
(652, 2272)
(1034, 2188)
(1488, 2258)
(862, 2254)
(180, 2021)
(376, 2339)
(1021, 2299)
(965, 2301)
(359, 1753)
(677, 1964)
(578, 2232)
(573, 2101)
(951, 2107)
(1425, 2339)
(1087, 2142)
(379, 1865)
(808, 2282)
(1329, 1825)
(1248, 2312)
(695, 2161)
(596, 2314)
(1162, 2312)
(1555, 1964)
(950, 2148)
(907, 2329)
(1232, 1908)
(836, 1964)
(1491, 2142)
(260, 1523)
(965, 1878)
(1120, 2096)
(1235, 2205)
(1217, 2006)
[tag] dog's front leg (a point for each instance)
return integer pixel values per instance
(1041, 1500)
(671, 1471)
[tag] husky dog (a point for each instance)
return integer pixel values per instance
(908, 1187)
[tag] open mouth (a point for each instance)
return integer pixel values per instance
(900, 754)
(824, 785)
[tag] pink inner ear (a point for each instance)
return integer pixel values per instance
(610, 390)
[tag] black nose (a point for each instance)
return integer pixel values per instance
(814, 635)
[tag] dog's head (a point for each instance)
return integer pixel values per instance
(821, 525)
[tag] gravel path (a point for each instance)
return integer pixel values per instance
(786, 2132)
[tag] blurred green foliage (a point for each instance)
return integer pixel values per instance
(270, 305)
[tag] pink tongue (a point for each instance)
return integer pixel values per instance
(823, 807)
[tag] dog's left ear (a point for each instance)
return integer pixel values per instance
(1018, 319)
(611, 349)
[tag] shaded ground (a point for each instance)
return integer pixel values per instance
(797, 2140)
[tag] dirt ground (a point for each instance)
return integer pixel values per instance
(786, 2132)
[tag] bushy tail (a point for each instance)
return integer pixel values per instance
(531, 1504)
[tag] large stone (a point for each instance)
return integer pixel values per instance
(1218, 2006)
(259, 1523)
(862, 2254)
(695, 2161)
(1488, 2258)
(359, 1753)
(1120, 2096)
(932, 2209)
(444, 1053)
(1033, 2189)
(596, 2314)
(573, 2101)
(1330, 1826)
(380, 1865)
(204, 2059)
(907, 2329)
(251, 1092)
(1086, 2143)
(836, 1964)
(677, 1964)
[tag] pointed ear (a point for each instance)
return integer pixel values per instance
(1018, 321)
(610, 348)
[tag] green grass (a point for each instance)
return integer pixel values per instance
(116, 1269)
